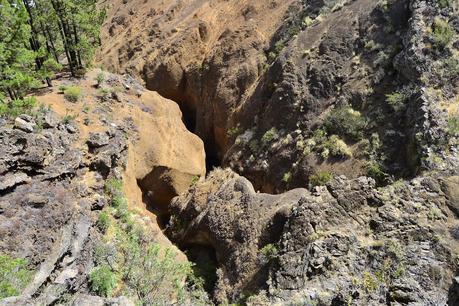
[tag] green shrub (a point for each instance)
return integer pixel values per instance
(369, 282)
(320, 178)
(287, 177)
(374, 171)
(72, 94)
(153, 272)
(100, 78)
(269, 136)
(234, 131)
(371, 45)
(195, 180)
(17, 107)
(103, 280)
(62, 88)
(68, 118)
(103, 222)
(450, 68)
(113, 186)
(308, 21)
(118, 200)
(14, 276)
(396, 100)
(269, 251)
(337, 147)
(104, 93)
(434, 214)
(453, 125)
(129, 257)
(443, 33)
(346, 122)
(444, 3)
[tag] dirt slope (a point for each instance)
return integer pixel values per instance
(202, 54)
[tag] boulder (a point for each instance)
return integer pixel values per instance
(50, 120)
(12, 179)
(451, 188)
(166, 157)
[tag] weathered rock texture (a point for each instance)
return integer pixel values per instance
(344, 244)
(49, 199)
(203, 54)
(244, 70)
(53, 171)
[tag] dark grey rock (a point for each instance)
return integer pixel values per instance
(99, 139)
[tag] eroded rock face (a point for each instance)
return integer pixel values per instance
(348, 241)
(203, 54)
(241, 220)
(258, 81)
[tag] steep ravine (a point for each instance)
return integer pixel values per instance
(270, 85)
(156, 190)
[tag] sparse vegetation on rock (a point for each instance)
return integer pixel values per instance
(443, 33)
(14, 275)
(326, 173)
(320, 178)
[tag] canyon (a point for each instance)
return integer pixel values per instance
(285, 153)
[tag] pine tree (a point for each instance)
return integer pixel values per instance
(38, 36)
(17, 60)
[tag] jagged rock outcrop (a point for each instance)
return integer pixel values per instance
(346, 243)
(48, 204)
(53, 172)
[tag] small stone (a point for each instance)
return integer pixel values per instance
(36, 200)
(24, 125)
(66, 275)
(99, 203)
(456, 45)
(26, 118)
(97, 140)
(71, 128)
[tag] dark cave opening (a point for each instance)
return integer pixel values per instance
(202, 255)
(205, 262)
(189, 118)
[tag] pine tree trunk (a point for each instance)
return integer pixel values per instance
(10, 93)
(50, 39)
(34, 44)
(65, 36)
(67, 52)
(75, 33)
